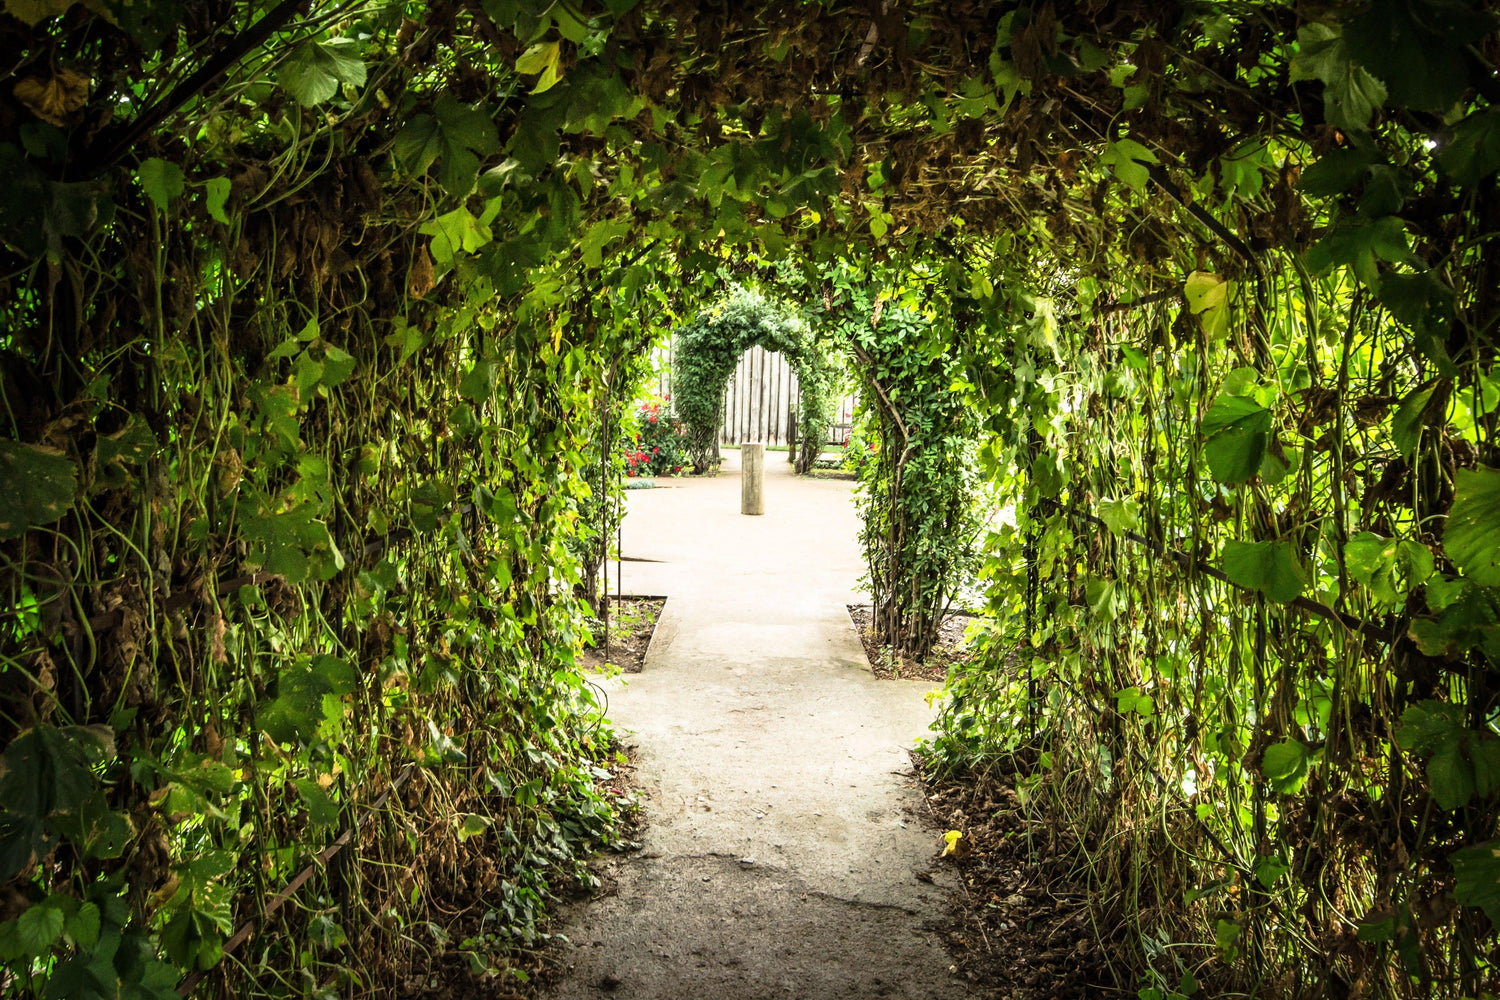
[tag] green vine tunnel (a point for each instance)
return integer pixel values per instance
(1221, 277)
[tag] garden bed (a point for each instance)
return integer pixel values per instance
(950, 649)
(632, 622)
(1022, 928)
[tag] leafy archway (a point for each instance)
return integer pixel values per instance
(710, 346)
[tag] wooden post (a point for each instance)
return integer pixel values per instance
(752, 477)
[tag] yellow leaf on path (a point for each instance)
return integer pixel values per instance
(951, 839)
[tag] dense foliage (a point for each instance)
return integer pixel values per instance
(708, 349)
(310, 316)
(919, 511)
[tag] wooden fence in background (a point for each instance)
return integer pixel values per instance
(760, 401)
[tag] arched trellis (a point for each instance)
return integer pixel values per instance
(708, 349)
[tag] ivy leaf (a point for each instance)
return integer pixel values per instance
(1350, 93)
(314, 72)
(1359, 245)
(456, 232)
(300, 706)
(1208, 299)
(1471, 537)
(321, 810)
(541, 60)
(40, 485)
(1476, 873)
(1474, 152)
(338, 365)
(1132, 700)
(162, 181)
(1269, 870)
(217, 195)
(1238, 431)
(1128, 157)
(1428, 725)
(1285, 766)
(474, 825)
(598, 236)
(1120, 515)
(39, 928)
(455, 134)
(1412, 415)
(1265, 567)
(1423, 303)
(1337, 171)
(1417, 48)
(1450, 777)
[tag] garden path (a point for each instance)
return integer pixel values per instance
(785, 830)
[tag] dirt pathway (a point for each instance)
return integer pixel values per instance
(785, 833)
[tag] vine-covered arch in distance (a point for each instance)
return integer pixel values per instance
(709, 348)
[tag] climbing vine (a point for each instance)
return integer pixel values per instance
(309, 316)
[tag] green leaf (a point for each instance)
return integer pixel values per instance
(473, 826)
(1476, 872)
(1237, 432)
(39, 928)
(40, 486)
(1208, 299)
(1417, 47)
(338, 365)
(1350, 93)
(300, 708)
(162, 181)
(1132, 700)
(1450, 777)
(1359, 246)
(1128, 157)
(1474, 151)
(33, 12)
(217, 195)
(1265, 567)
(1429, 725)
(598, 236)
(1268, 871)
(1411, 416)
(456, 232)
(83, 926)
(1337, 171)
(541, 58)
(130, 445)
(1120, 515)
(314, 72)
(1471, 537)
(322, 810)
(1285, 766)
(455, 134)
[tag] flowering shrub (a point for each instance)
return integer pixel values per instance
(658, 447)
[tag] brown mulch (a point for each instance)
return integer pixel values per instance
(949, 650)
(1022, 928)
(632, 620)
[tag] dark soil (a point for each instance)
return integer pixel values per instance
(949, 650)
(632, 620)
(1022, 928)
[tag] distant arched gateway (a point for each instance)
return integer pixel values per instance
(709, 347)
